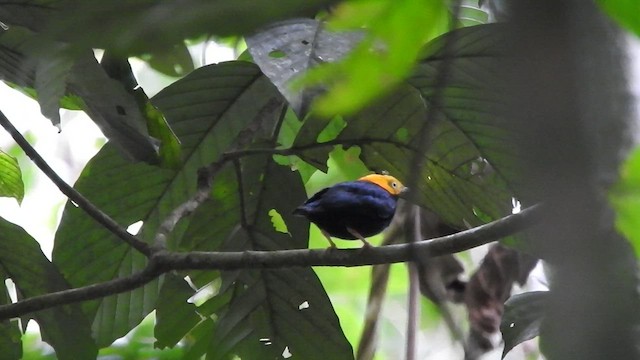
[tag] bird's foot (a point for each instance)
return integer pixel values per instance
(332, 245)
(365, 243)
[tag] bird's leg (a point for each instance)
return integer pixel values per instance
(326, 234)
(365, 243)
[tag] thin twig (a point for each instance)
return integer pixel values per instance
(367, 345)
(417, 165)
(295, 150)
(413, 307)
(73, 195)
(244, 222)
(433, 106)
(164, 261)
(394, 234)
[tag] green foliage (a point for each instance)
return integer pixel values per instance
(470, 174)
(66, 328)
(396, 31)
(175, 61)
(625, 198)
(169, 152)
(465, 136)
(262, 314)
(57, 72)
(11, 184)
(207, 109)
(522, 318)
(136, 346)
(175, 316)
(625, 12)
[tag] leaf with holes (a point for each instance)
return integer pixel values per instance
(208, 109)
(65, 328)
(522, 318)
(288, 48)
(261, 313)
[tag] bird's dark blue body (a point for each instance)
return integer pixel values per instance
(361, 206)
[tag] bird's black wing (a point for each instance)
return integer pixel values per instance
(308, 205)
(363, 197)
(317, 196)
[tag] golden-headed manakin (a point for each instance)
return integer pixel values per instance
(354, 209)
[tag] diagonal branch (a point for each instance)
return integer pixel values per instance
(73, 195)
(164, 261)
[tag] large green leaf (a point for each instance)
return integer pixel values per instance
(264, 312)
(471, 137)
(522, 318)
(51, 80)
(287, 48)
(56, 72)
(11, 184)
(469, 174)
(625, 12)
(66, 328)
(88, 253)
(175, 316)
(207, 110)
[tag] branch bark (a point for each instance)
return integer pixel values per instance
(73, 195)
(165, 261)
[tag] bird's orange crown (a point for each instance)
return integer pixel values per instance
(387, 182)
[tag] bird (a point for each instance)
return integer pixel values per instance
(354, 209)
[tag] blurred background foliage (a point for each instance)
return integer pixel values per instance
(47, 52)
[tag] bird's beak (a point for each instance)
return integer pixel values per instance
(404, 191)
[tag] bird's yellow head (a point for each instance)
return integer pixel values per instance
(387, 182)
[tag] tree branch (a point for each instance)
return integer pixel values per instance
(90, 292)
(73, 195)
(164, 261)
(295, 150)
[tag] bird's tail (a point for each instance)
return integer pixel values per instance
(300, 211)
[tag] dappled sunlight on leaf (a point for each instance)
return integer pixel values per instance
(11, 184)
(278, 222)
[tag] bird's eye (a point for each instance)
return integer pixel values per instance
(394, 185)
